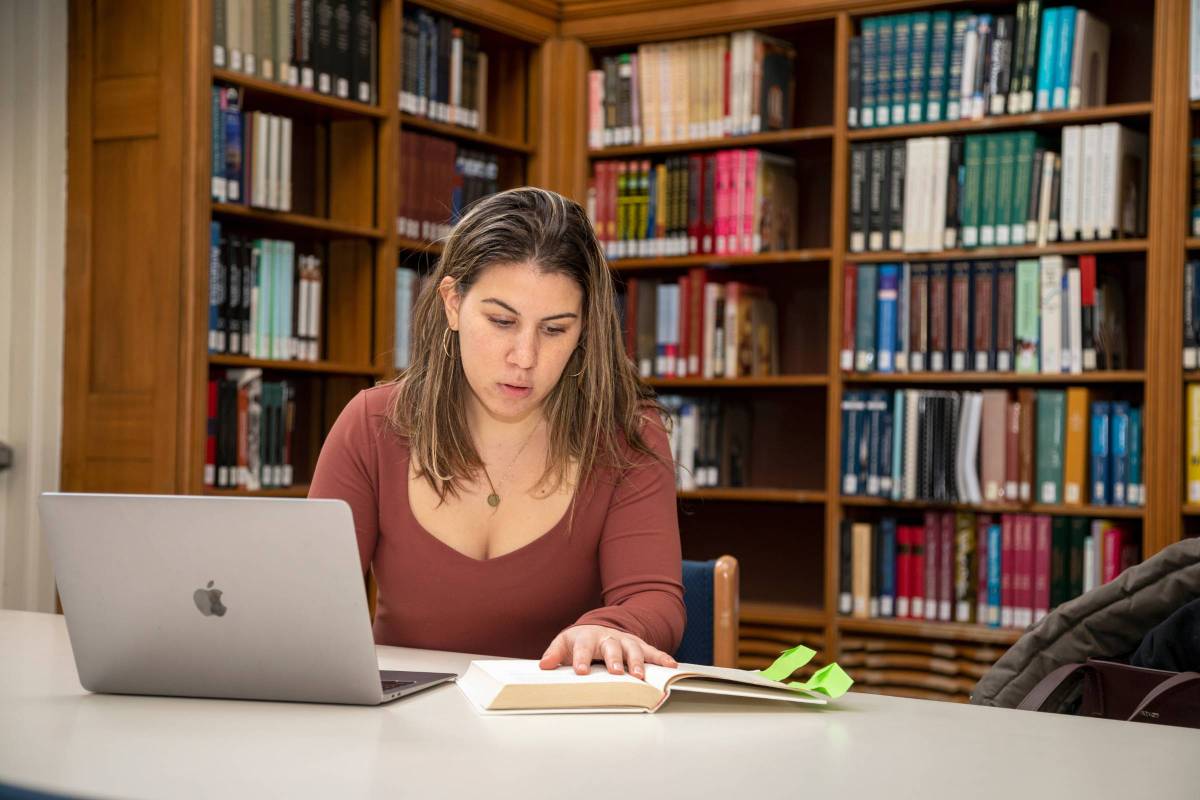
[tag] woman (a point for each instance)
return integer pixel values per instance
(514, 489)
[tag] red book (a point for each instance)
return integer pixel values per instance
(946, 569)
(1008, 568)
(1012, 452)
(695, 221)
(1087, 308)
(916, 583)
(1114, 540)
(1024, 576)
(933, 538)
(849, 280)
(902, 561)
(982, 523)
(210, 442)
(697, 280)
(683, 337)
(1041, 567)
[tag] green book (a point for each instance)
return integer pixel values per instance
(972, 180)
(991, 180)
(1022, 175)
(1060, 555)
(901, 53)
(864, 321)
(884, 36)
(1028, 314)
(1051, 432)
(1005, 180)
(939, 66)
(918, 65)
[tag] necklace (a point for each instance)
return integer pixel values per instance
(493, 499)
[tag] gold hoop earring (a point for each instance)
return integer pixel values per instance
(446, 342)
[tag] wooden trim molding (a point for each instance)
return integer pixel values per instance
(725, 612)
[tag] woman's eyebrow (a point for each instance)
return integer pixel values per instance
(511, 310)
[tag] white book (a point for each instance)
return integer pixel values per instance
(456, 77)
(1089, 62)
(1089, 192)
(911, 427)
(712, 293)
(1074, 310)
(971, 455)
(662, 63)
(687, 446)
(1071, 185)
(1090, 561)
(1194, 21)
(273, 152)
(935, 232)
(522, 687)
(1051, 272)
(970, 54)
(285, 164)
(261, 159)
(911, 197)
(730, 358)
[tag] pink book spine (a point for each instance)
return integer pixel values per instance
(982, 523)
(1113, 540)
(946, 569)
(1025, 570)
(1041, 573)
(751, 190)
(596, 109)
(722, 201)
(1008, 569)
(933, 538)
(738, 201)
(902, 559)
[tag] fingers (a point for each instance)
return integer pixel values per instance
(556, 653)
(612, 652)
(634, 657)
(655, 656)
(583, 651)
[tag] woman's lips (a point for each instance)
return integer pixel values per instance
(511, 390)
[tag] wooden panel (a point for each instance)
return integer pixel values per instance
(507, 111)
(126, 38)
(348, 287)
(558, 122)
(352, 161)
(125, 108)
(531, 20)
(1169, 170)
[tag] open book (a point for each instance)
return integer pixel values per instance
(521, 686)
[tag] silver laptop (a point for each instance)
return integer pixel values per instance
(247, 598)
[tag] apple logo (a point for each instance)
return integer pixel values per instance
(208, 600)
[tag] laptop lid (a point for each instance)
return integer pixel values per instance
(250, 598)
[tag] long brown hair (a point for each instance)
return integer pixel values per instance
(598, 399)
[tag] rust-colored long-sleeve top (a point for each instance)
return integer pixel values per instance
(618, 566)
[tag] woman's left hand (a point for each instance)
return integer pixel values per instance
(582, 644)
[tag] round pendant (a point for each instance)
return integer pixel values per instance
(493, 499)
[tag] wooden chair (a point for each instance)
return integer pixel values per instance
(711, 596)
(710, 592)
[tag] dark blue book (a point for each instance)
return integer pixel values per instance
(215, 335)
(853, 403)
(1120, 452)
(887, 567)
(877, 409)
(870, 49)
(1101, 474)
(234, 162)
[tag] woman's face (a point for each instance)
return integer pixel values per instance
(517, 328)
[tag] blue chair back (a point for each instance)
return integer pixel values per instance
(696, 647)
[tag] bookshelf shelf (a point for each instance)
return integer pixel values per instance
(1123, 512)
(295, 223)
(321, 367)
(1039, 119)
(1193, 243)
(768, 382)
(298, 490)
(417, 246)
(782, 614)
(269, 95)
(1191, 374)
(466, 135)
(1191, 509)
(780, 258)
(717, 143)
(755, 495)
(1003, 378)
(1096, 247)
(931, 630)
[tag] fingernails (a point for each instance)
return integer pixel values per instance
(638, 672)
(618, 666)
(581, 666)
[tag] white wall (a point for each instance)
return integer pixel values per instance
(33, 184)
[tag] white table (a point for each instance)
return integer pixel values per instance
(55, 736)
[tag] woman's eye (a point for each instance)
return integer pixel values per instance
(555, 331)
(502, 323)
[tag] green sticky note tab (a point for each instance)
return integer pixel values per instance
(788, 662)
(830, 680)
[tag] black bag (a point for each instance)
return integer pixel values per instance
(1113, 690)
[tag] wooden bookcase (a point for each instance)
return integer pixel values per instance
(136, 362)
(786, 535)
(138, 365)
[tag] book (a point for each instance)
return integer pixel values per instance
(521, 686)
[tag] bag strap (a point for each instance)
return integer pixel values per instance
(1048, 685)
(1174, 682)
